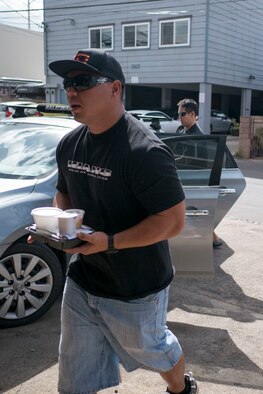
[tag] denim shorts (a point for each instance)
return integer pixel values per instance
(99, 333)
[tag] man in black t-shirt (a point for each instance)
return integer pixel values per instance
(116, 293)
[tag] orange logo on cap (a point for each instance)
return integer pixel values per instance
(82, 57)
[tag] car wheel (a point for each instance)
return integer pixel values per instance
(31, 279)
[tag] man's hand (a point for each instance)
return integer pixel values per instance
(94, 243)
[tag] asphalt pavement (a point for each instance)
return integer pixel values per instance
(219, 322)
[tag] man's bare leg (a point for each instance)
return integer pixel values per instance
(175, 376)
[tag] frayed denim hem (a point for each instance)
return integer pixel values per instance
(60, 390)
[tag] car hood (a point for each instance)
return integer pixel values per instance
(15, 188)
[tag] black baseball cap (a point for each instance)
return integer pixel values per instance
(90, 60)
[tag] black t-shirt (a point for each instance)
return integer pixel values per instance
(119, 178)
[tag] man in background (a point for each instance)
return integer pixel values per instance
(188, 114)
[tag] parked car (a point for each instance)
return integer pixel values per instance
(32, 275)
(157, 120)
(4, 111)
(16, 108)
(219, 122)
(160, 121)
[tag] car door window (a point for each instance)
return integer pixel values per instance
(196, 157)
(228, 160)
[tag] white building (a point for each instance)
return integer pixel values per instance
(22, 58)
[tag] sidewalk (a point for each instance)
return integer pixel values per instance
(219, 323)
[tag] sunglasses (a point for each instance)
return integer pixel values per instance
(182, 113)
(84, 82)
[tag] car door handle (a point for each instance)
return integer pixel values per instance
(196, 212)
(224, 191)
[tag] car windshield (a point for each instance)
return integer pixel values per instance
(28, 150)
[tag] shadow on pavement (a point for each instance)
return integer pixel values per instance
(201, 293)
(210, 352)
(30, 349)
(215, 357)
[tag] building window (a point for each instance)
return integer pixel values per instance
(101, 37)
(174, 32)
(135, 35)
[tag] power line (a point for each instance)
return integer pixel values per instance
(18, 15)
(215, 2)
(12, 10)
(116, 3)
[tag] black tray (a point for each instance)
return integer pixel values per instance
(56, 241)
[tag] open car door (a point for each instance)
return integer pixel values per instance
(232, 185)
(199, 161)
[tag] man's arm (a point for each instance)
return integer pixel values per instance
(62, 201)
(155, 228)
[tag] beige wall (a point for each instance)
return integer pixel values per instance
(22, 53)
(251, 136)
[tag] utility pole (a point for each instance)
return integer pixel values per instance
(28, 13)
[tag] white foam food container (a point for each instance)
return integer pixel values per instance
(46, 219)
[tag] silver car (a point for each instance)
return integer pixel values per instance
(18, 108)
(219, 122)
(32, 275)
(157, 120)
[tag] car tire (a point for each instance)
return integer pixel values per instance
(31, 278)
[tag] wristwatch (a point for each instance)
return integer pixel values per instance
(111, 248)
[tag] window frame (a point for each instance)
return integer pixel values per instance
(136, 24)
(175, 20)
(100, 28)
